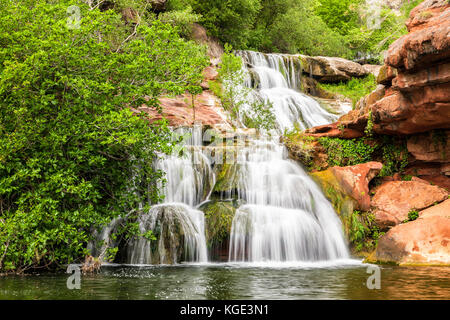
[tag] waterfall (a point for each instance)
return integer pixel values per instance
(280, 214)
(178, 227)
(285, 216)
(180, 233)
(275, 78)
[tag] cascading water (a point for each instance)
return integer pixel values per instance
(275, 78)
(286, 217)
(177, 225)
(281, 214)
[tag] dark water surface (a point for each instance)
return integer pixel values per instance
(225, 281)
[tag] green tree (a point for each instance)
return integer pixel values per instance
(69, 141)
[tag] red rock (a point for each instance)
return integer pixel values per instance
(437, 74)
(210, 73)
(385, 220)
(386, 75)
(423, 241)
(179, 112)
(442, 210)
(425, 44)
(354, 180)
(416, 179)
(438, 180)
(332, 131)
(397, 198)
(429, 147)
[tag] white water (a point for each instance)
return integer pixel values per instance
(278, 81)
(285, 217)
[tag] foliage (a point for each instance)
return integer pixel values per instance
(413, 215)
(68, 144)
(354, 89)
(183, 19)
(347, 152)
(228, 20)
(395, 156)
(363, 232)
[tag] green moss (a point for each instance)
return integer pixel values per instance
(218, 217)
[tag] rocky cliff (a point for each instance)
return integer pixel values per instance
(411, 104)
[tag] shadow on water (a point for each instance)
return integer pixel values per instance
(234, 282)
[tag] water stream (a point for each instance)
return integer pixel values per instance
(282, 215)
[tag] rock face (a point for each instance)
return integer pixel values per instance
(215, 49)
(423, 241)
(416, 77)
(330, 69)
(355, 181)
(394, 200)
(179, 111)
(350, 183)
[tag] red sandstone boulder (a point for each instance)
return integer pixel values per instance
(423, 241)
(354, 181)
(179, 111)
(393, 200)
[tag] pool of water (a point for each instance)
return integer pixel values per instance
(342, 280)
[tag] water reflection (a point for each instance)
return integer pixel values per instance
(235, 282)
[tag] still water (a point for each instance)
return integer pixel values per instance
(344, 280)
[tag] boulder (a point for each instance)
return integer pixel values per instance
(372, 68)
(179, 111)
(355, 181)
(397, 198)
(331, 69)
(423, 241)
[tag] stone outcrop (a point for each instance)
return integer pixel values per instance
(351, 183)
(179, 111)
(331, 69)
(416, 78)
(394, 200)
(215, 49)
(423, 241)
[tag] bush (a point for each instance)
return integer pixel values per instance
(69, 144)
